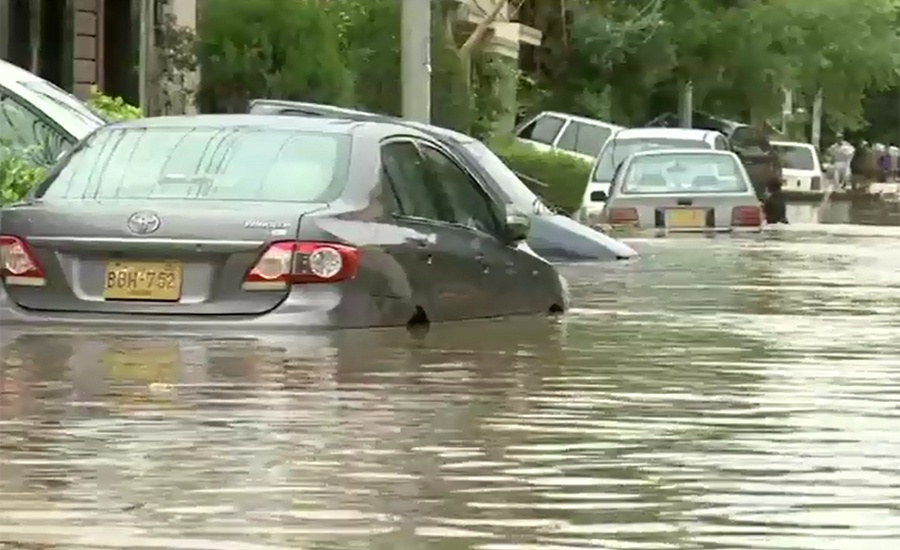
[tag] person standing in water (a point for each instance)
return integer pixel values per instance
(775, 205)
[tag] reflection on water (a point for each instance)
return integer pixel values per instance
(860, 212)
(718, 393)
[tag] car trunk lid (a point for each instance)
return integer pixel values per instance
(196, 255)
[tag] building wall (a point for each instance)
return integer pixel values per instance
(87, 48)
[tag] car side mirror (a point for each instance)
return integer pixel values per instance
(599, 196)
(517, 225)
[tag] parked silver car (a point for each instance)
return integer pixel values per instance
(683, 190)
(266, 221)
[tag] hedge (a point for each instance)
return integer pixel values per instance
(558, 178)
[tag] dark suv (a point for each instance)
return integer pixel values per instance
(752, 146)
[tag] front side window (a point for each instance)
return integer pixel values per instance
(679, 173)
(470, 204)
(543, 129)
(26, 133)
(205, 163)
(749, 141)
(617, 150)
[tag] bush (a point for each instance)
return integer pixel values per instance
(17, 175)
(284, 49)
(111, 108)
(564, 178)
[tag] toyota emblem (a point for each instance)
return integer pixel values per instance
(143, 223)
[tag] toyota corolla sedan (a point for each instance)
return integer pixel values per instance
(683, 190)
(553, 236)
(265, 221)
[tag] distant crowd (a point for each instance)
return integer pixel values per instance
(873, 163)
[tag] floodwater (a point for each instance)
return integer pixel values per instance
(727, 393)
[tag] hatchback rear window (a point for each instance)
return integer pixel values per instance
(796, 157)
(203, 163)
(678, 173)
(617, 150)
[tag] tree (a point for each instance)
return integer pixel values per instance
(286, 49)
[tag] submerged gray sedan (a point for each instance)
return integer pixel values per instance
(682, 191)
(266, 221)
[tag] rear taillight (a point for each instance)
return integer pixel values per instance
(746, 216)
(286, 263)
(621, 216)
(816, 184)
(18, 266)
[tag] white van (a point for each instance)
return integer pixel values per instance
(800, 166)
(574, 135)
(628, 141)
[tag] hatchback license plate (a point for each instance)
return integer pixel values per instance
(149, 281)
(686, 217)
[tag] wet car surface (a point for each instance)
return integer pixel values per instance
(553, 236)
(248, 221)
(717, 393)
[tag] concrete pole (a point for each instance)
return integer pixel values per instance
(415, 59)
(816, 138)
(686, 105)
(144, 52)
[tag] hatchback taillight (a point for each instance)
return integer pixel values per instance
(622, 216)
(289, 262)
(18, 266)
(746, 216)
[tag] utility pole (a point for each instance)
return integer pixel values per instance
(686, 105)
(415, 59)
(144, 53)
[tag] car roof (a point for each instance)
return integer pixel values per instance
(584, 119)
(685, 151)
(12, 77)
(323, 110)
(285, 122)
(654, 132)
(793, 144)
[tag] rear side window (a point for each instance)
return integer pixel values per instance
(543, 129)
(587, 139)
(205, 163)
(679, 173)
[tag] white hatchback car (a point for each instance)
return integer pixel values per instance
(628, 141)
(573, 135)
(683, 191)
(39, 117)
(801, 169)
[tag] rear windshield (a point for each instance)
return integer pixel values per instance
(678, 173)
(203, 163)
(617, 150)
(796, 158)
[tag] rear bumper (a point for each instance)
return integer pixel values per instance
(662, 232)
(325, 309)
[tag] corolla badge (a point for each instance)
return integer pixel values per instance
(143, 223)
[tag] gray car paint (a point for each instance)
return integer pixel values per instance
(408, 266)
(553, 236)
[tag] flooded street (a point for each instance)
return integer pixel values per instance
(727, 393)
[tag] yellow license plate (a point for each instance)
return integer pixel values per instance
(151, 281)
(143, 363)
(686, 217)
